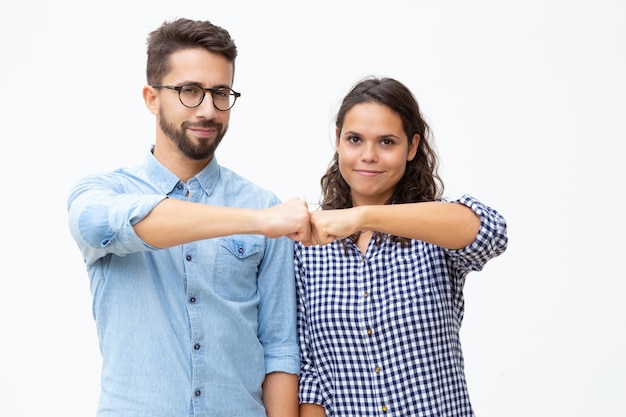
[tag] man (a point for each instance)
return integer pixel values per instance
(190, 266)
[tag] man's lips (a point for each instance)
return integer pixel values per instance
(203, 131)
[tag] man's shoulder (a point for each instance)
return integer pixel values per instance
(246, 189)
(122, 177)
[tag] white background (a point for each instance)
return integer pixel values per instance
(527, 103)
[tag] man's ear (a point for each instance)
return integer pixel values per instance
(151, 99)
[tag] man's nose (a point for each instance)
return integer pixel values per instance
(207, 109)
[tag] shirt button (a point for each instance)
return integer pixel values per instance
(384, 408)
(377, 370)
(369, 332)
(366, 294)
(197, 393)
(196, 346)
(192, 300)
(180, 187)
(240, 250)
(188, 257)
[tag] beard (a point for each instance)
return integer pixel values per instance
(204, 149)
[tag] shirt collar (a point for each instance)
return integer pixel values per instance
(165, 180)
(209, 176)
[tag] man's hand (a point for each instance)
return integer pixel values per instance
(289, 219)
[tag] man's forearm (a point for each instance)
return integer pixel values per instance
(280, 394)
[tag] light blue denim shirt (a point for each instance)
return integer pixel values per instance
(193, 329)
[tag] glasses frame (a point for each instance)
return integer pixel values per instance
(179, 88)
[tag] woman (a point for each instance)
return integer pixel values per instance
(380, 284)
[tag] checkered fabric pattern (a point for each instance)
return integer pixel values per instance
(379, 333)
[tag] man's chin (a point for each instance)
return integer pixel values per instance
(201, 153)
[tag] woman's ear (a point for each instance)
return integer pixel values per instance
(413, 147)
(151, 99)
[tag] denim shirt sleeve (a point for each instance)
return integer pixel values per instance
(102, 215)
(277, 308)
(491, 239)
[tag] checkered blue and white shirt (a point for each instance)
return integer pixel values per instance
(379, 333)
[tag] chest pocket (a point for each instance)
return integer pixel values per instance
(411, 271)
(237, 265)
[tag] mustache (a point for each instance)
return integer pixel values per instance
(203, 124)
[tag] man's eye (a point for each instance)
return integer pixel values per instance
(190, 90)
(221, 93)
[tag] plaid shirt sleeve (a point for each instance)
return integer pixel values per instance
(490, 241)
(309, 391)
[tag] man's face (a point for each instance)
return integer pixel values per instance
(196, 132)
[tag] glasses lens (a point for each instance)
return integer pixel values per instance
(223, 98)
(191, 95)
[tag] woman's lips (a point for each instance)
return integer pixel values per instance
(367, 172)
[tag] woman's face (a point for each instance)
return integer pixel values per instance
(373, 150)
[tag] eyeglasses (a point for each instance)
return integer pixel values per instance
(191, 96)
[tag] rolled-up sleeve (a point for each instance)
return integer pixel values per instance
(277, 308)
(491, 239)
(102, 216)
